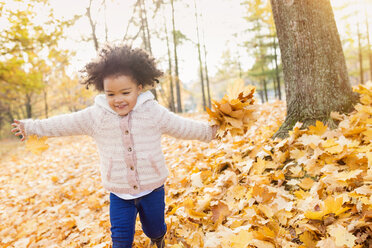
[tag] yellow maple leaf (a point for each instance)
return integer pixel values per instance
(331, 146)
(194, 214)
(342, 236)
(308, 239)
(331, 205)
(347, 175)
(318, 129)
(306, 183)
(241, 240)
(220, 212)
(36, 145)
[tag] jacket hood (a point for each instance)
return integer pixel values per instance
(101, 100)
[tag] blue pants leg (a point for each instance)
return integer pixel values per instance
(151, 209)
(123, 215)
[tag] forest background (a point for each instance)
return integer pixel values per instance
(201, 47)
(245, 189)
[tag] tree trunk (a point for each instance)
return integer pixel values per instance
(146, 35)
(207, 78)
(131, 20)
(315, 74)
(360, 56)
(178, 87)
(28, 106)
(46, 108)
(240, 68)
(147, 28)
(275, 83)
(105, 14)
(93, 26)
(171, 95)
(261, 93)
(265, 90)
(143, 26)
(205, 64)
(199, 57)
(369, 49)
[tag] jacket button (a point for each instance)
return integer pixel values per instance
(134, 187)
(126, 132)
(132, 168)
(130, 149)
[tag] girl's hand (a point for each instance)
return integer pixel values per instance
(214, 130)
(19, 128)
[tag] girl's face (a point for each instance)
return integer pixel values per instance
(121, 93)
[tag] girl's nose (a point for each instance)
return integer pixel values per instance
(118, 99)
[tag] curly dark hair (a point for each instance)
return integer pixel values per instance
(121, 60)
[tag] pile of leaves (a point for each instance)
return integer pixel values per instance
(234, 114)
(312, 189)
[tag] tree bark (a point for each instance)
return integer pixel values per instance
(178, 87)
(315, 74)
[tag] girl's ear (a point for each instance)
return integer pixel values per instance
(140, 87)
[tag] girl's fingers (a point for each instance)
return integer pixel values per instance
(19, 129)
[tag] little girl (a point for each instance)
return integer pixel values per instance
(126, 124)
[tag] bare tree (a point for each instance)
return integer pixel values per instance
(369, 48)
(199, 57)
(92, 25)
(105, 14)
(170, 70)
(360, 55)
(178, 86)
(205, 64)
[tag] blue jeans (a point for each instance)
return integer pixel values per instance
(123, 215)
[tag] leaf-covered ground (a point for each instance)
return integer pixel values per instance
(312, 189)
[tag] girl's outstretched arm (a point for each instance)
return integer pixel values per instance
(78, 123)
(180, 127)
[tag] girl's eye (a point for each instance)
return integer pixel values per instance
(126, 93)
(110, 94)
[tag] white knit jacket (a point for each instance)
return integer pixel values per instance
(131, 158)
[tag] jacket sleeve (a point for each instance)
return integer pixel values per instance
(180, 127)
(78, 123)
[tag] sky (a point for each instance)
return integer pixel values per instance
(221, 20)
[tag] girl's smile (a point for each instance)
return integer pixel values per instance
(121, 93)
